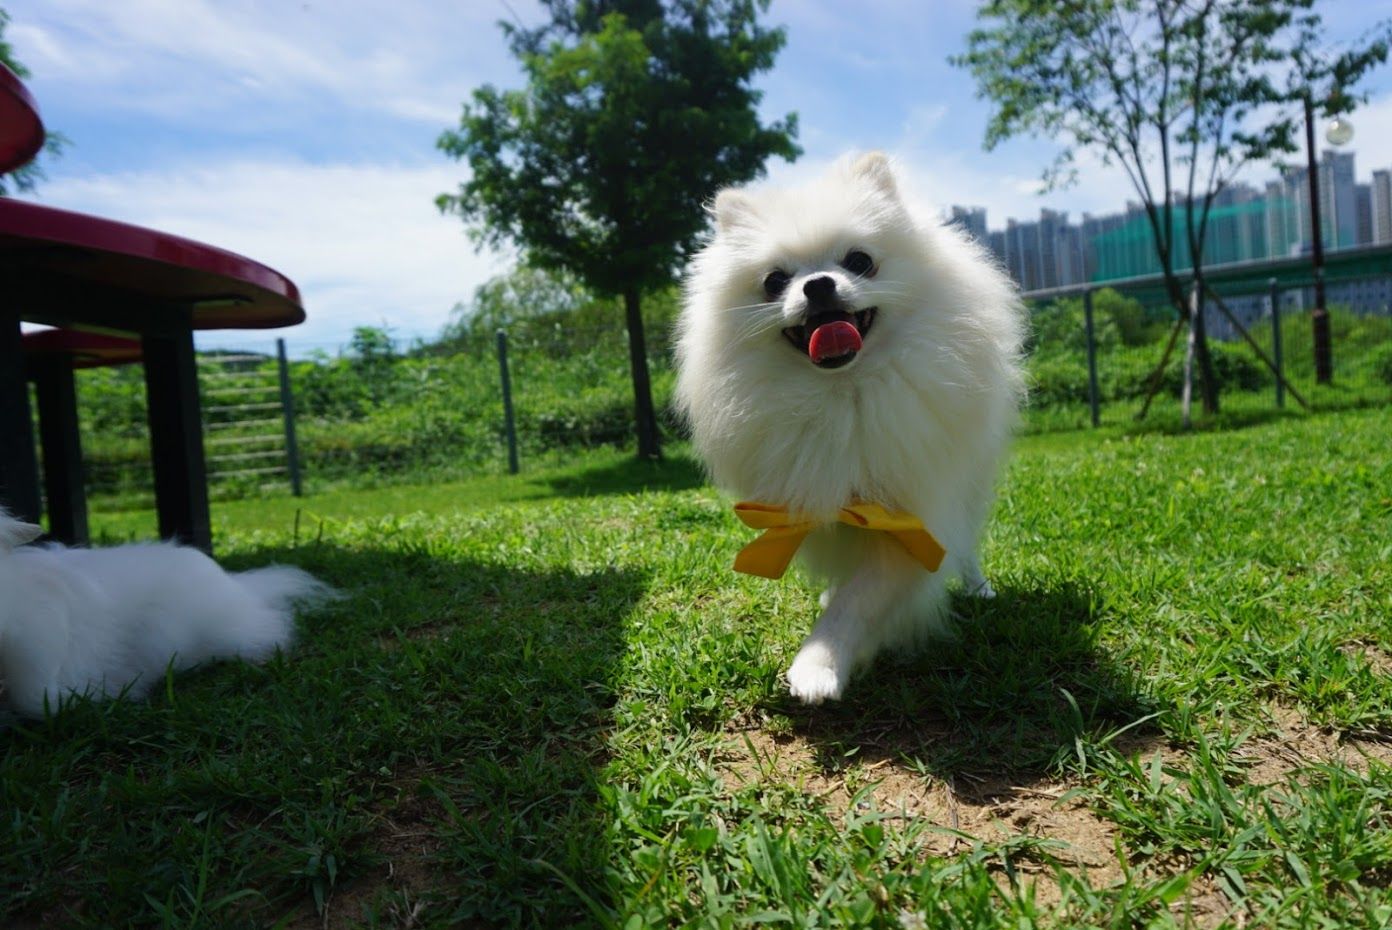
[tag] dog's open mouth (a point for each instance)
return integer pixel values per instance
(832, 338)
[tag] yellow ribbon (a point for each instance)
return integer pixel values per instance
(769, 555)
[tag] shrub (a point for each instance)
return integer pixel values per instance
(1381, 362)
(1117, 321)
(1124, 374)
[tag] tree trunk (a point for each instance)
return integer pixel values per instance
(1186, 390)
(1181, 303)
(644, 415)
(1207, 380)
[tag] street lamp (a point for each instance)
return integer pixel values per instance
(1339, 132)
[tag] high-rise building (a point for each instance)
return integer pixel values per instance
(1281, 216)
(1071, 269)
(1236, 228)
(1098, 250)
(995, 241)
(1022, 253)
(971, 220)
(1343, 196)
(1381, 205)
(1050, 231)
(1045, 253)
(1245, 223)
(1120, 245)
(1338, 203)
(1363, 199)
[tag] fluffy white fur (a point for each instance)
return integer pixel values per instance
(919, 421)
(110, 621)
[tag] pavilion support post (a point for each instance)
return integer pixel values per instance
(56, 390)
(176, 436)
(19, 470)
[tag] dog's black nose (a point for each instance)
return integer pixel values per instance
(820, 290)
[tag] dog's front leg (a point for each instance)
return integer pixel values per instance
(847, 634)
(974, 579)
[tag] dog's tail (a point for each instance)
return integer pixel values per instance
(14, 532)
(281, 587)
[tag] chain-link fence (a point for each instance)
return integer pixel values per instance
(1130, 363)
(379, 409)
(384, 411)
(248, 426)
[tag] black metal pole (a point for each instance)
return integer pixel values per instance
(287, 409)
(19, 464)
(1319, 318)
(1091, 357)
(508, 422)
(65, 494)
(176, 435)
(1276, 343)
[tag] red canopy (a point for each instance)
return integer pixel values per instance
(226, 290)
(88, 350)
(21, 130)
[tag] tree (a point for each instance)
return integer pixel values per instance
(635, 113)
(25, 177)
(1181, 94)
(523, 293)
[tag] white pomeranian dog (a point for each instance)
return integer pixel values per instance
(835, 349)
(105, 622)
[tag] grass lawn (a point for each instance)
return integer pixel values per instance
(547, 701)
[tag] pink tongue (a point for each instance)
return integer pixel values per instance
(831, 340)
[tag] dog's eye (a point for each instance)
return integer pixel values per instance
(858, 263)
(775, 283)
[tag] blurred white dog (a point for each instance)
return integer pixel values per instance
(836, 350)
(109, 621)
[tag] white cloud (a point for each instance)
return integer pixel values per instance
(364, 243)
(190, 58)
(922, 122)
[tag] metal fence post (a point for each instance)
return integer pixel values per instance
(1276, 344)
(509, 423)
(1091, 357)
(287, 407)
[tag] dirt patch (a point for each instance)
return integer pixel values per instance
(425, 633)
(965, 807)
(405, 838)
(1374, 655)
(957, 811)
(1205, 906)
(1297, 744)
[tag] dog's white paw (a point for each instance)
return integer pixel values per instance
(982, 589)
(816, 676)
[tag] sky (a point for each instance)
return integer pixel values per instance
(301, 133)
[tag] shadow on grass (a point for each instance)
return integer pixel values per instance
(1017, 694)
(432, 737)
(675, 472)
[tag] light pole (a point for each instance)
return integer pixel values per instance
(1339, 132)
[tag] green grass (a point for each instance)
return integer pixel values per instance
(547, 701)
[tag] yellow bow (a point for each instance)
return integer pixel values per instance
(769, 555)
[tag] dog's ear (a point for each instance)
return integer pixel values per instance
(732, 208)
(16, 533)
(875, 168)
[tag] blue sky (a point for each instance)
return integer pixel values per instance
(301, 132)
